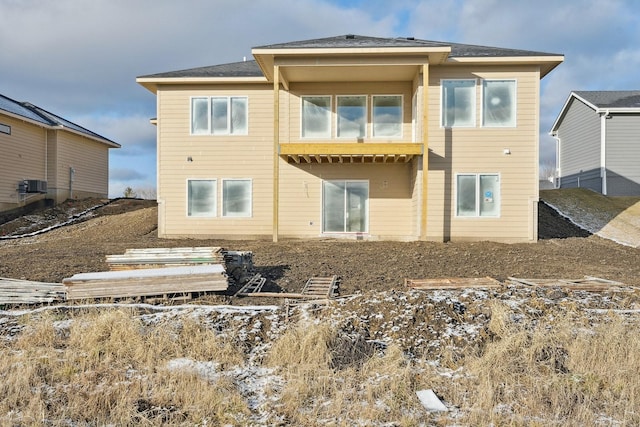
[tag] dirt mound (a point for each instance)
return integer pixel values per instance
(362, 266)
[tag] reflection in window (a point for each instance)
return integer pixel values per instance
(316, 117)
(458, 103)
(499, 103)
(352, 116)
(387, 116)
(236, 197)
(201, 198)
(478, 195)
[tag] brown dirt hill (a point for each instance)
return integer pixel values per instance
(361, 265)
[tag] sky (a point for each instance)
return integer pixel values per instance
(80, 58)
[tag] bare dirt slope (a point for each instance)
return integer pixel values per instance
(564, 251)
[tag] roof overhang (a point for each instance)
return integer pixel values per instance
(152, 83)
(546, 63)
(347, 64)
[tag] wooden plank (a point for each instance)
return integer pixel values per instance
(273, 295)
(452, 283)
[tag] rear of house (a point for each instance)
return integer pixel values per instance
(598, 135)
(44, 156)
(332, 138)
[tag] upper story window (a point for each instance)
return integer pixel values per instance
(351, 113)
(219, 115)
(5, 129)
(316, 116)
(499, 103)
(458, 103)
(387, 116)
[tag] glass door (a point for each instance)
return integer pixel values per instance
(345, 206)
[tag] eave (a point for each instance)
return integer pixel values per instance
(546, 63)
(152, 83)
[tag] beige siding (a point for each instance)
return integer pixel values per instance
(395, 190)
(214, 157)
(480, 150)
(22, 156)
(89, 159)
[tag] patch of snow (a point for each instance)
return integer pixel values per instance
(205, 370)
(430, 401)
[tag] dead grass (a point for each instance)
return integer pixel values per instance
(556, 365)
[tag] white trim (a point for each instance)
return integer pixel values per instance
(250, 213)
(603, 151)
(322, 213)
(373, 135)
(330, 133)
(474, 119)
(214, 214)
(478, 195)
(366, 116)
(514, 100)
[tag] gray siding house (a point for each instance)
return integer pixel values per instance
(598, 135)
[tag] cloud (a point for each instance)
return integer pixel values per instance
(119, 174)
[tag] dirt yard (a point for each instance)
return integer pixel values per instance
(564, 251)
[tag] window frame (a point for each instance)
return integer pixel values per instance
(443, 110)
(209, 130)
(366, 116)
(6, 129)
(477, 214)
(329, 120)
(213, 214)
(248, 214)
(366, 208)
(372, 116)
(514, 107)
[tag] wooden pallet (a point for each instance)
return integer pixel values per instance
(146, 282)
(14, 291)
(254, 284)
(588, 283)
(453, 283)
(321, 287)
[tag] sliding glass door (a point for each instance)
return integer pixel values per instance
(345, 206)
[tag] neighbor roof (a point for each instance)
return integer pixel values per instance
(252, 69)
(611, 98)
(47, 119)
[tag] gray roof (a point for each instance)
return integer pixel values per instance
(44, 117)
(611, 98)
(251, 68)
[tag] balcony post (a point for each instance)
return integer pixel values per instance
(276, 149)
(425, 150)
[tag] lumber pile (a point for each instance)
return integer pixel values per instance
(453, 283)
(14, 291)
(588, 283)
(165, 257)
(146, 282)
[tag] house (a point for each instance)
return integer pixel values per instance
(352, 137)
(598, 142)
(43, 156)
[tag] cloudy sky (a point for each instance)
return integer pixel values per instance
(80, 58)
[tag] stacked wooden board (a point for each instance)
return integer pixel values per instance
(14, 291)
(147, 282)
(165, 257)
(588, 283)
(452, 283)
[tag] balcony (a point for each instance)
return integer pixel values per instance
(346, 152)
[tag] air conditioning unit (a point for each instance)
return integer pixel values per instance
(36, 186)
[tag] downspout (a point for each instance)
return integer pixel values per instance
(557, 177)
(603, 150)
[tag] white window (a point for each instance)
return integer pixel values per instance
(5, 129)
(351, 114)
(316, 116)
(236, 197)
(345, 206)
(499, 103)
(387, 116)
(219, 115)
(201, 197)
(458, 103)
(478, 195)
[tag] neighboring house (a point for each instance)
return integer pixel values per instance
(43, 156)
(332, 137)
(598, 135)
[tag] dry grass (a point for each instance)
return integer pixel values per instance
(553, 373)
(111, 367)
